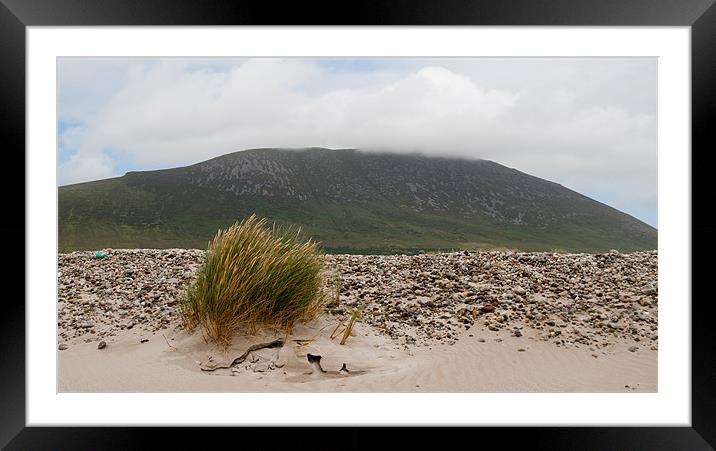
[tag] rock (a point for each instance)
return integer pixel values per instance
(424, 301)
(261, 368)
(581, 293)
(481, 340)
(101, 345)
(517, 333)
(536, 299)
(144, 340)
(62, 347)
(633, 349)
(521, 350)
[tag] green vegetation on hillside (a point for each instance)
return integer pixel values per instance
(184, 207)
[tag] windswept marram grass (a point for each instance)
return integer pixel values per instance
(254, 275)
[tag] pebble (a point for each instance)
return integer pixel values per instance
(62, 347)
(417, 295)
(101, 345)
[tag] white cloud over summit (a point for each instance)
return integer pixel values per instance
(589, 125)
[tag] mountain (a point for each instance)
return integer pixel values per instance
(351, 201)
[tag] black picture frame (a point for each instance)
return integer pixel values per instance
(16, 15)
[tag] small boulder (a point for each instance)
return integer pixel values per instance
(487, 308)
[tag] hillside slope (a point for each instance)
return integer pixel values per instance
(349, 200)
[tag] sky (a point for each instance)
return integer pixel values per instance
(588, 124)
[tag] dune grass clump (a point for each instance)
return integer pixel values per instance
(252, 276)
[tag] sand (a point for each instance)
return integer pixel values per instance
(450, 322)
(480, 361)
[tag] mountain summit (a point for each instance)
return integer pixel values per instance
(351, 201)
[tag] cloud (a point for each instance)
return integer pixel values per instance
(85, 167)
(167, 115)
(588, 124)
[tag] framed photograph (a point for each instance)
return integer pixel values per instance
(471, 214)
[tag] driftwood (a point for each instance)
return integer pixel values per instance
(315, 360)
(211, 366)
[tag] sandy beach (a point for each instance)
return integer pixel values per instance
(453, 322)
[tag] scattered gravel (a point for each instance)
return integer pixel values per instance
(569, 299)
(133, 288)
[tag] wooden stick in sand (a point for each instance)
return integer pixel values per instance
(348, 331)
(356, 315)
(335, 333)
(169, 344)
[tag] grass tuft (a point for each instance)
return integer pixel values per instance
(254, 275)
